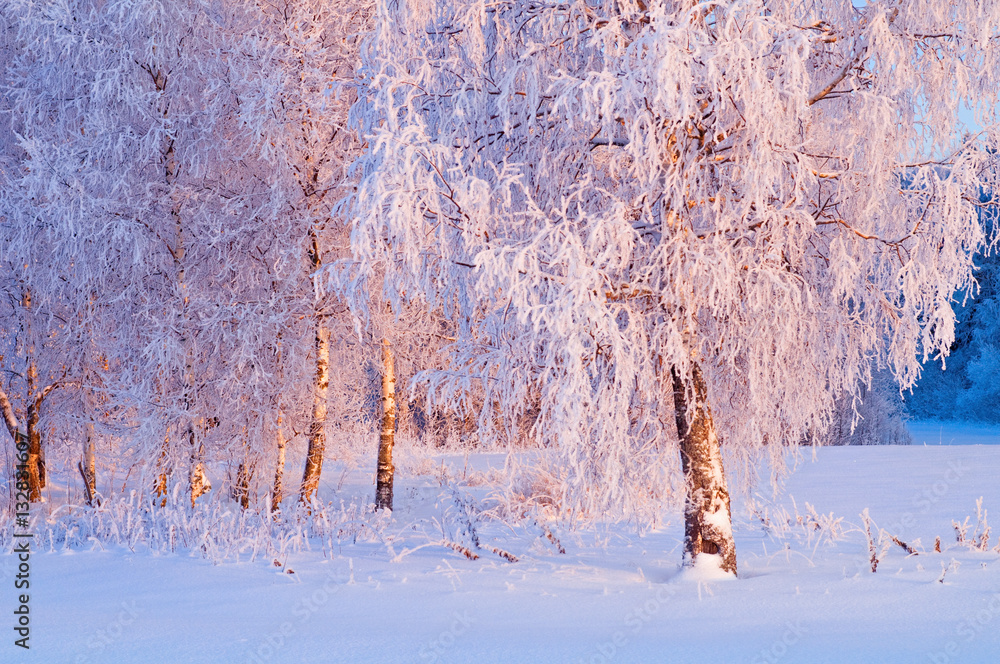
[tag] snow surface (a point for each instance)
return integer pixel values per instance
(805, 592)
(929, 432)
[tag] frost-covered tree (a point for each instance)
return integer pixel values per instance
(874, 415)
(181, 162)
(35, 356)
(670, 209)
(139, 195)
(296, 92)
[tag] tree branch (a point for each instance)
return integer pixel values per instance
(48, 389)
(8, 414)
(841, 75)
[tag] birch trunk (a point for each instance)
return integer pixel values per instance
(160, 488)
(321, 382)
(88, 467)
(277, 494)
(16, 434)
(707, 516)
(9, 418)
(317, 426)
(36, 454)
(36, 463)
(278, 490)
(177, 253)
(384, 473)
(198, 480)
(36, 469)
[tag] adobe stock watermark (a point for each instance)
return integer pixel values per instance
(966, 631)
(272, 643)
(111, 633)
(930, 496)
(634, 621)
(22, 548)
(922, 503)
(433, 651)
(779, 647)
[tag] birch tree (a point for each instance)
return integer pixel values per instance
(128, 122)
(675, 211)
(298, 90)
(385, 471)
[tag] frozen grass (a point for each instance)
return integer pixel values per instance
(215, 529)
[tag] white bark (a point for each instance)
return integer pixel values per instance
(385, 471)
(317, 425)
(278, 490)
(9, 418)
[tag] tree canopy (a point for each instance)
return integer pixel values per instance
(605, 192)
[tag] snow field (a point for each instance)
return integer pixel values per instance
(806, 592)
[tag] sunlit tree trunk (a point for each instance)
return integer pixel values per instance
(9, 418)
(278, 488)
(10, 421)
(36, 469)
(88, 463)
(384, 473)
(707, 516)
(88, 467)
(164, 468)
(317, 425)
(277, 493)
(198, 479)
(36, 461)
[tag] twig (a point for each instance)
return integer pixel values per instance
(465, 551)
(903, 545)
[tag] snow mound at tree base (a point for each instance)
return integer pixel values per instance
(706, 567)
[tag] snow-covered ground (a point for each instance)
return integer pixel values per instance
(954, 433)
(806, 592)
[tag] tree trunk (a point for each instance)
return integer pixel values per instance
(9, 418)
(88, 467)
(197, 479)
(160, 488)
(384, 474)
(317, 426)
(36, 463)
(278, 493)
(17, 435)
(707, 516)
(200, 485)
(35, 468)
(241, 488)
